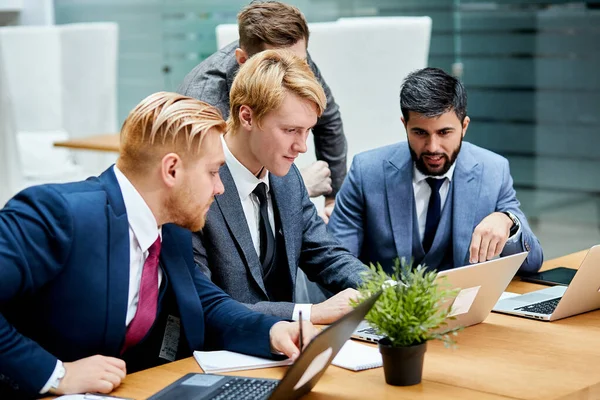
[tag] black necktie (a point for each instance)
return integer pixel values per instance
(267, 240)
(433, 212)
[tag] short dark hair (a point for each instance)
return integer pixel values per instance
(270, 22)
(432, 92)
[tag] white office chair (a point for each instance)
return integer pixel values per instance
(364, 61)
(89, 82)
(60, 82)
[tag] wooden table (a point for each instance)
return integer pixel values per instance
(504, 357)
(105, 142)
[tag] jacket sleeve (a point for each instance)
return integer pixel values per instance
(507, 201)
(229, 324)
(36, 231)
(281, 309)
(346, 222)
(330, 141)
(322, 257)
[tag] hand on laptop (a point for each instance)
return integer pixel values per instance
(489, 237)
(285, 337)
(333, 308)
(92, 374)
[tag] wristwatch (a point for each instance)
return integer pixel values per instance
(516, 224)
(59, 375)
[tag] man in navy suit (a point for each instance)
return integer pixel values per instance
(97, 277)
(264, 227)
(444, 202)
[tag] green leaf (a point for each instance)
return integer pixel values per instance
(411, 311)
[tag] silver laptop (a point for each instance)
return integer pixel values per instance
(481, 285)
(557, 302)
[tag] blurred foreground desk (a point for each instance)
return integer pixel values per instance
(503, 358)
(106, 142)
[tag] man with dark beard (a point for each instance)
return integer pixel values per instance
(442, 202)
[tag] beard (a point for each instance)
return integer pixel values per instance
(182, 211)
(422, 166)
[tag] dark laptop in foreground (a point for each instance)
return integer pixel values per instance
(300, 378)
(481, 285)
(556, 302)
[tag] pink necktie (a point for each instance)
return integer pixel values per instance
(148, 300)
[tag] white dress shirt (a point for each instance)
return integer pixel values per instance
(143, 231)
(246, 182)
(422, 192)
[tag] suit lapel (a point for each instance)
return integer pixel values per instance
(233, 213)
(398, 186)
(118, 264)
(282, 199)
(467, 183)
(177, 270)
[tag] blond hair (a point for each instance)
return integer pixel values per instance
(263, 80)
(270, 22)
(162, 123)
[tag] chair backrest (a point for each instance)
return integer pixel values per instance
(364, 61)
(32, 67)
(60, 83)
(10, 171)
(89, 86)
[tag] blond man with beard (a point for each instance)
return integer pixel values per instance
(97, 277)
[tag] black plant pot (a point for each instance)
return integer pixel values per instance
(402, 366)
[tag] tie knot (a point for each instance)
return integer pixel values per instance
(261, 191)
(154, 249)
(435, 184)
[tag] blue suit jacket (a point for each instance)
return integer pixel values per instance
(224, 248)
(64, 281)
(374, 208)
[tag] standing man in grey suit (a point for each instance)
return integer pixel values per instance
(267, 25)
(264, 226)
(442, 201)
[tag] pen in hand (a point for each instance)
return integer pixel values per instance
(300, 338)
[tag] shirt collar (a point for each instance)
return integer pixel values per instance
(418, 176)
(245, 181)
(140, 217)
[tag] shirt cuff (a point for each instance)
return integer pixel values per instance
(305, 308)
(516, 237)
(52, 378)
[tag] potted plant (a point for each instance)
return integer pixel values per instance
(412, 309)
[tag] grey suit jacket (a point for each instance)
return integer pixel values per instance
(225, 252)
(211, 80)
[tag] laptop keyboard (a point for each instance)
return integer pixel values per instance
(243, 388)
(545, 307)
(368, 331)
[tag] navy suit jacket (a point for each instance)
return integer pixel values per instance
(373, 216)
(225, 252)
(64, 281)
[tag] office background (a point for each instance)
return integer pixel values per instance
(530, 68)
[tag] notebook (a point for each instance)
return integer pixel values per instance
(357, 357)
(353, 356)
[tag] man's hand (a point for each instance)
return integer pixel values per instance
(334, 308)
(285, 337)
(328, 209)
(92, 374)
(489, 237)
(317, 178)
